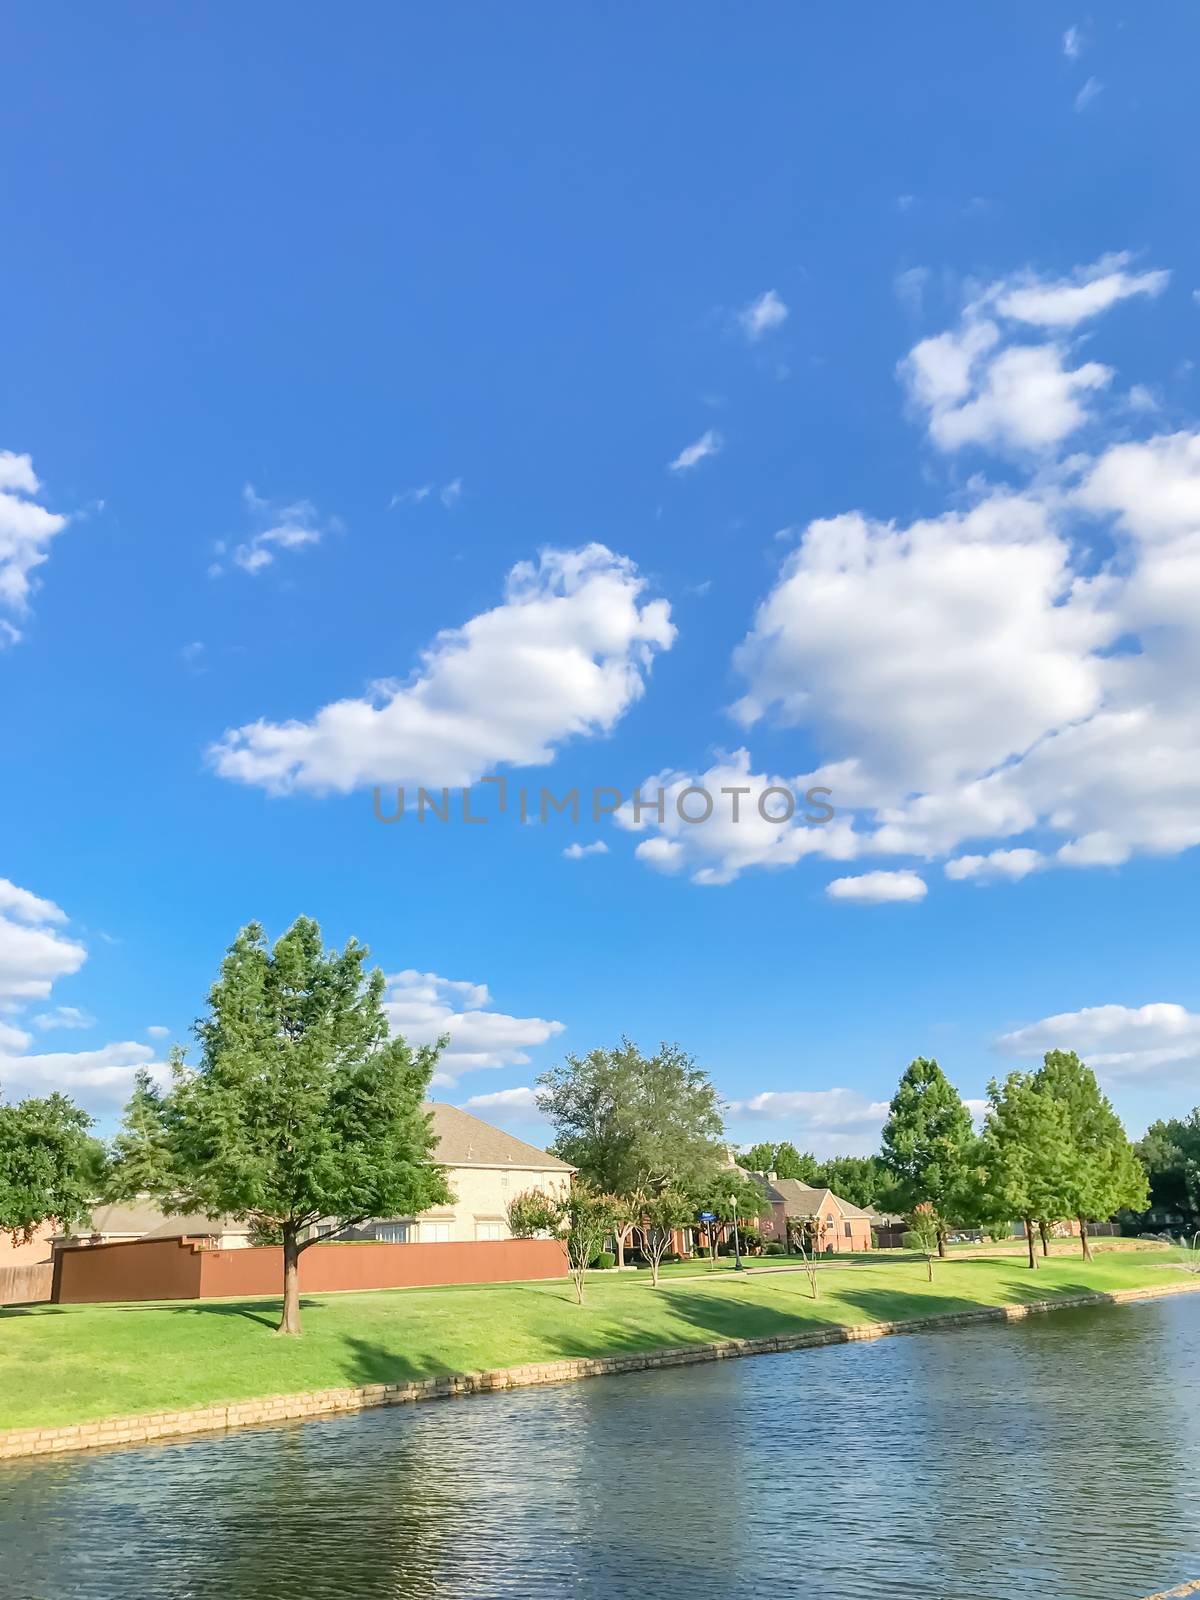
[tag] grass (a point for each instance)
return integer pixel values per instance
(62, 1364)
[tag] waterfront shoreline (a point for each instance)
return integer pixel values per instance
(23, 1443)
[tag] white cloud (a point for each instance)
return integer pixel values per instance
(1088, 93)
(762, 315)
(1071, 43)
(708, 444)
(737, 835)
(69, 1017)
(910, 287)
(1087, 292)
(1012, 864)
(451, 493)
(157, 1031)
(99, 1079)
(877, 888)
(32, 954)
(26, 529)
(278, 527)
(978, 387)
(410, 497)
(826, 1121)
(577, 851)
(27, 907)
(422, 1006)
(565, 655)
(1117, 1041)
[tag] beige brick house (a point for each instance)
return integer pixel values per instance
(832, 1224)
(485, 1169)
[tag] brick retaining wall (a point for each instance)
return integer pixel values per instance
(324, 1402)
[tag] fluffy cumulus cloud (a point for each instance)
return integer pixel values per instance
(1005, 685)
(578, 852)
(720, 822)
(423, 1007)
(984, 383)
(34, 954)
(826, 1121)
(1117, 1041)
(100, 1080)
(277, 527)
(26, 532)
(564, 655)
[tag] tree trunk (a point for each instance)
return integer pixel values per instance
(1083, 1239)
(622, 1232)
(941, 1248)
(929, 1260)
(1033, 1260)
(1045, 1233)
(289, 1322)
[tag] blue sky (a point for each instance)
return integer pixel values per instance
(589, 396)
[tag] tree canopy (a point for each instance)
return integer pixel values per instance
(1025, 1154)
(1101, 1173)
(1169, 1150)
(929, 1144)
(784, 1160)
(301, 1109)
(48, 1165)
(632, 1123)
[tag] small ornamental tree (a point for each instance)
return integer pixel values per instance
(585, 1219)
(661, 1215)
(47, 1166)
(926, 1233)
(929, 1145)
(302, 1107)
(532, 1213)
(1102, 1173)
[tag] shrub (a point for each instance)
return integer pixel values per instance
(772, 1248)
(602, 1261)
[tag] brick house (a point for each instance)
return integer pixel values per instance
(831, 1223)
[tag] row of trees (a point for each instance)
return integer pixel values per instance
(1052, 1150)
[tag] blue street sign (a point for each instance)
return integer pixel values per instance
(708, 1216)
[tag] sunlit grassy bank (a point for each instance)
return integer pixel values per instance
(63, 1364)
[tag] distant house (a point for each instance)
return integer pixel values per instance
(485, 1169)
(830, 1224)
(37, 1252)
(142, 1219)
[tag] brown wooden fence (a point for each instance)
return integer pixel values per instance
(188, 1269)
(21, 1285)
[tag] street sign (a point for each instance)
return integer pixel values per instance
(708, 1216)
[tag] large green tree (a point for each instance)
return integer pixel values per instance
(784, 1160)
(140, 1154)
(48, 1165)
(1170, 1152)
(1025, 1154)
(301, 1108)
(633, 1124)
(1102, 1172)
(929, 1146)
(859, 1179)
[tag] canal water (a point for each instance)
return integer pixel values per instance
(1057, 1458)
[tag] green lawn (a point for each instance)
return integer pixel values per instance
(61, 1364)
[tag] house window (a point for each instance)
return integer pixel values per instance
(489, 1230)
(393, 1233)
(435, 1233)
(849, 1231)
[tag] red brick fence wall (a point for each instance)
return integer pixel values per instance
(186, 1269)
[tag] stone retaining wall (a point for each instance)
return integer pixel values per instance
(324, 1402)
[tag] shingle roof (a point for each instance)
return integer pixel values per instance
(467, 1141)
(803, 1200)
